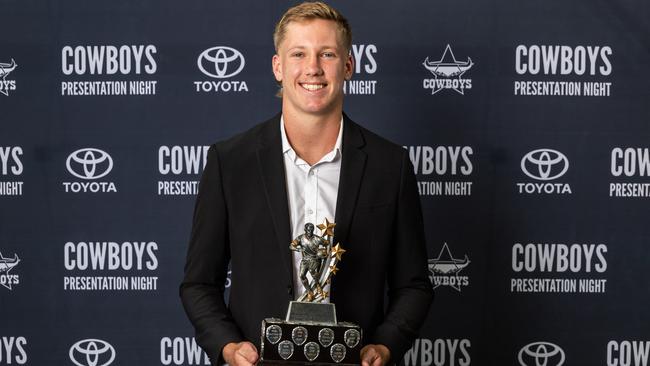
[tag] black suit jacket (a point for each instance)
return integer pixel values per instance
(242, 216)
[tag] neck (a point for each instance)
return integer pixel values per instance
(310, 136)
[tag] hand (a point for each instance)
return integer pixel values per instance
(374, 355)
(240, 354)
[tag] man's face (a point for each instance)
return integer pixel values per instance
(309, 230)
(312, 65)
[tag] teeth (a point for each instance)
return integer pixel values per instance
(312, 87)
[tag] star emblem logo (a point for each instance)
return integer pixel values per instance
(6, 265)
(5, 70)
(448, 68)
(447, 266)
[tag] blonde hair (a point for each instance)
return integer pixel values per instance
(310, 11)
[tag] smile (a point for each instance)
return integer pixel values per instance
(313, 87)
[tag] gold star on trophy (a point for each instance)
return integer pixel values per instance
(327, 229)
(337, 251)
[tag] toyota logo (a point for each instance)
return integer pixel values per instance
(221, 62)
(92, 352)
(544, 164)
(540, 354)
(89, 163)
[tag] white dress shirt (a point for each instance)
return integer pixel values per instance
(312, 192)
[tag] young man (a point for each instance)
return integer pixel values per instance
(308, 164)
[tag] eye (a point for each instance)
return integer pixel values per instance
(329, 54)
(297, 54)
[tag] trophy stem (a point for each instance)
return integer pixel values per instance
(311, 312)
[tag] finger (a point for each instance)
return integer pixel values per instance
(248, 358)
(378, 361)
(368, 356)
(240, 360)
(248, 352)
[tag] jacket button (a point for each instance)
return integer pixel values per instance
(290, 290)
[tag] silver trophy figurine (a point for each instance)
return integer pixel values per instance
(319, 259)
(310, 332)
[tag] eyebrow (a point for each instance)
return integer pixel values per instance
(321, 48)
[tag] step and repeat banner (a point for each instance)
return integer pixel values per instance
(527, 124)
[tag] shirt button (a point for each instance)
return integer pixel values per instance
(310, 211)
(311, 173)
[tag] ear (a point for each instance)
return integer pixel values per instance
(349, 67)
(277, 68)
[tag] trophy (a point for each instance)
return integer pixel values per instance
(310, 333)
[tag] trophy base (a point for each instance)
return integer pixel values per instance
(310, 335)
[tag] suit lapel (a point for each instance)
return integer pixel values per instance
(352, 168)
(271, 166)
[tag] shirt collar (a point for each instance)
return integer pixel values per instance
(330, 156)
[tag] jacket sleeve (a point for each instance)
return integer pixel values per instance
(202, 289)
(409, 290)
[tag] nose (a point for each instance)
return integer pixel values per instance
(313, 66)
